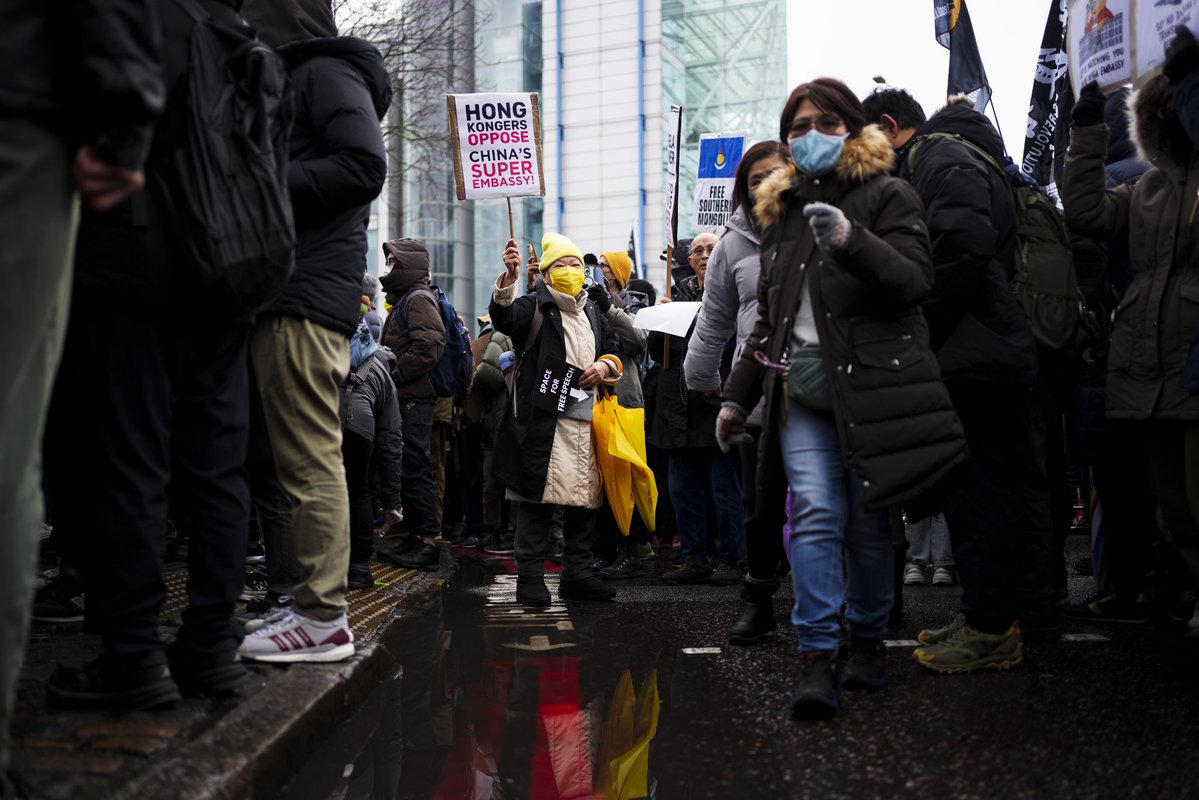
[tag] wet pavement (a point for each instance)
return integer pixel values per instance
(643, 697)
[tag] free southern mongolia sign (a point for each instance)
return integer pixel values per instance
(497, 145)
(719, 156)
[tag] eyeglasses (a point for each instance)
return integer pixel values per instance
(828, 124)
(701, 250)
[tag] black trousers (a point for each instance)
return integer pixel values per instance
(979, 506)
(764, 552)
(533, 540)
(1033, 503)
(170, 410)
(418, 486)
(356, 453)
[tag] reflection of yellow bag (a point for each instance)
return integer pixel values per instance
(624, 748)
(620, 450)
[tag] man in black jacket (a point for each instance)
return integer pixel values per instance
(154, 394)
(101, 62)
(300, 346)
(988, 361)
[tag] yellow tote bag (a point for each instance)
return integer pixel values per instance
(620, 450)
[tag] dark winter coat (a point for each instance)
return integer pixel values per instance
(976, 326)
(414, 329)
(678, 417)
(1159, 313)
(128, 257)
(525, 438)
(369, 409)
(897, 427)
(338, 164)
(87, 69)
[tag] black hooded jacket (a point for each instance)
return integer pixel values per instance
(338, 164)
(975, 324)
(88, 69)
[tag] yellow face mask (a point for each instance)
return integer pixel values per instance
(568, 280)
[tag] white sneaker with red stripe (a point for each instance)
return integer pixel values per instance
(292, 637)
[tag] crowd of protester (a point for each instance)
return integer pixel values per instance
(860, 377)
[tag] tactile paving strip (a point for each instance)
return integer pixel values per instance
(368, 607)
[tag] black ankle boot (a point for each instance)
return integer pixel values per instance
(757, 614)
(867, 664)
(819, 692)
(590, 588)
(531, 591)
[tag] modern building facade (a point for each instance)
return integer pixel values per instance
(607, 73)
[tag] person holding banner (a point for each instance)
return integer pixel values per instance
(1159, 313)
(730, 309)
(856, 414)
(547, 459)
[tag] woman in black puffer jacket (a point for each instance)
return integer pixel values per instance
(845, 264)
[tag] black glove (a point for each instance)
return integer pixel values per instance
(1182, 56)
(1088, 109)
(599, 296)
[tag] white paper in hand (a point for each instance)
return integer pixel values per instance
(672, 318)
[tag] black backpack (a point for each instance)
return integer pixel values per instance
(1045, 283)
(226, 184)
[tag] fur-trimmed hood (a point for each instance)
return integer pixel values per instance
(864, 156)
(1152, 131)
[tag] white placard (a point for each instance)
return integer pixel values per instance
(1155, 30)
(1100, 36)
(672, 318)
(497, 145)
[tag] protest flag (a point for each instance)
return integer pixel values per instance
(955, 32)
(1048, 133)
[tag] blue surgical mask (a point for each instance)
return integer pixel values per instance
(816, 153)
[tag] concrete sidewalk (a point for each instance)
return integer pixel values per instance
(237, 747)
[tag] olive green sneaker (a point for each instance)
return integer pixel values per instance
(969, 650)
(938, 635)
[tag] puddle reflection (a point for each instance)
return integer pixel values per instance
(497, 702)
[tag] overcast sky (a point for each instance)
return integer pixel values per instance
(854, 40)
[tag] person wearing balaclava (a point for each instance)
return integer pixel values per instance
(548, 459)
(1159, 312)
(301, 347)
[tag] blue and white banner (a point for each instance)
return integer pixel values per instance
(719, 157)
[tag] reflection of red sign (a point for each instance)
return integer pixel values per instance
(1097, 14)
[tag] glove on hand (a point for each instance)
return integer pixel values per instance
(1088, 109)
(829, 223)
(730, 429)
(1182, 56)
(599, 296)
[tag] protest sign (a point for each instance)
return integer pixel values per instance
(1156, 22)
(719, 155)
(674, 143)
(671, 318)
(557, 389)
(1116, 42)
(497, 145)
(1101, 42)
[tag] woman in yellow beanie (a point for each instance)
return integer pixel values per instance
(547, 459)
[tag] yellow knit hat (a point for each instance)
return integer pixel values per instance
(555, 246)
(622, 266)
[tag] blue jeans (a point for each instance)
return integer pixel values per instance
(928, 542)
(839, 551)
(696, 472)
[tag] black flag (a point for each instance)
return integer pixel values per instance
(966, 73)
(1048, 134)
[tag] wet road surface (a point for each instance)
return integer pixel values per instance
(644, 697)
